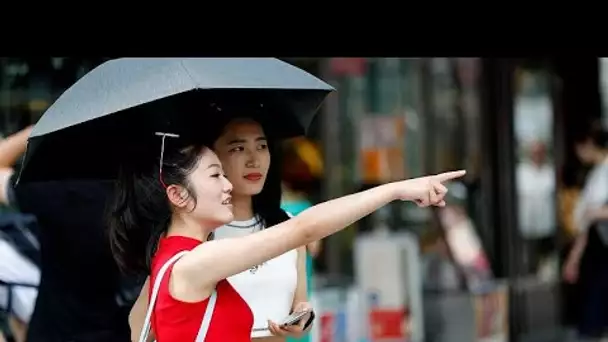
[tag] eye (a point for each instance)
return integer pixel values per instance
(263, 146)
(237, 149)
(216, 175)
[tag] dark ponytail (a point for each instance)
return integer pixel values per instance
(139, 212)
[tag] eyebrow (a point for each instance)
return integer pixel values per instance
(214, 165)
(242, 141)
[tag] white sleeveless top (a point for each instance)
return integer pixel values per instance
(269, 288)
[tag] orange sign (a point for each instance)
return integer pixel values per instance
(381, 149)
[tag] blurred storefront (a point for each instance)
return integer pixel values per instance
(403, 117)
(393, 118)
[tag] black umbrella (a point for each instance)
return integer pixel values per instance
(124, 102)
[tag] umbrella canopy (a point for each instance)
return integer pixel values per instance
(124, 102)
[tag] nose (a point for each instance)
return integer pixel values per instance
(252, 160)
(227, 185)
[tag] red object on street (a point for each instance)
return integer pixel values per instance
(388, 324)
(344, 66)
(327, 324)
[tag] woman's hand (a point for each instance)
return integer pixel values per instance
(296, 330)
(426, 191)
(571, 270)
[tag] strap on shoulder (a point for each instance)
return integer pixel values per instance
(202, 332)
(145, 330)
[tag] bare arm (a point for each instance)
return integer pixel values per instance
(578, 248)
(599, 214)
(13, 147)
(576, 253)
(301, 294)
(314, 248)
(215, 260)
(572, 265)
(137, 315)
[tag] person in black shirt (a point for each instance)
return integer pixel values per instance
(79, 293)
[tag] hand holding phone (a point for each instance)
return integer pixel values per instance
(295, 325)
(294, 318)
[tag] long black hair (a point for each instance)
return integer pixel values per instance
(267, 204)
(139, 212)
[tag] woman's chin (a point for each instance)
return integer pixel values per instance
(229, 217)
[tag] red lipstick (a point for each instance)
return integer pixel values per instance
(254, 176)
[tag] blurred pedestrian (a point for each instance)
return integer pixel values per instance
(80, 281)
(536, 198)
(587, 262)
(18, 275)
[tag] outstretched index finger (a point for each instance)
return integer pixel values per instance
(446, 176)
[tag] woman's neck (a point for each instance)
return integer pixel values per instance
(600, 156)
(242, 207)
(187, 228)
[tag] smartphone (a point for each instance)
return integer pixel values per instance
(294, 318)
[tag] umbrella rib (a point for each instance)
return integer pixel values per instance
(181, 63)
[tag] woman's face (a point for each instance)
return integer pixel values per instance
(586, 152)
(212, 190)
(243, 151)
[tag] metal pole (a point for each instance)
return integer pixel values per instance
(498, 175)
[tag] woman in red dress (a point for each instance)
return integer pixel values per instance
(161, 219)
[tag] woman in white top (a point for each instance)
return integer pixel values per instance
(277, 287)
(587, 262)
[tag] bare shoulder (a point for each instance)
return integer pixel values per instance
(185, 285)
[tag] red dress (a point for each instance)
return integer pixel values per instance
(174, 320)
